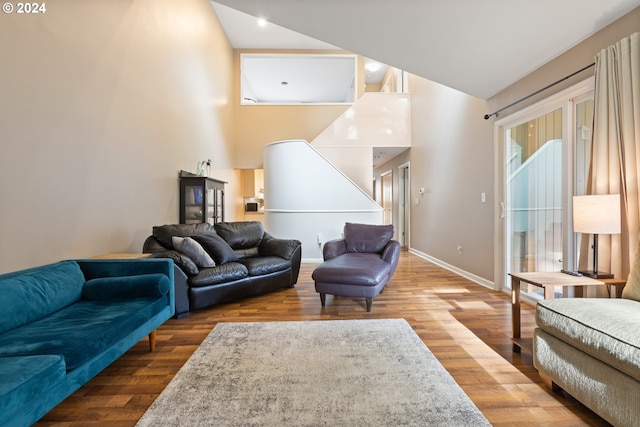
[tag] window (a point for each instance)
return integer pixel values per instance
(297, 79)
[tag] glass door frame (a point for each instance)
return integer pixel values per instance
(565, 100)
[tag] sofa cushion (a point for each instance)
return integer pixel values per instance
(164, 233)
(367, 237)
(193, 250)
(126, 287)
(223, 273)
(362, 269)
(30, 295)
(217, 247)
(607, 329)
(241, 235)
(247, 253)
(284, 248)
(265, 265)
(26, 377)
(82, 330)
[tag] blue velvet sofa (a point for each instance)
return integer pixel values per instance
(62, 323)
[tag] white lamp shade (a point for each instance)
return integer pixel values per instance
(596, 214)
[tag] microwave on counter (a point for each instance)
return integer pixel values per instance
(251, 207)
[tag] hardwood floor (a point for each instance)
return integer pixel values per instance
(466, 326)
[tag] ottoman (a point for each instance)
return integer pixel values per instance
(357, 275)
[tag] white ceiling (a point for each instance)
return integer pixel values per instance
(243, 32)
(477, 47)
(296, 79)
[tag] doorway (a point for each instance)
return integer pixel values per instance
(403, 205)
(387, 197)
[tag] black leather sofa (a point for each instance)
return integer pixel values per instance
(247, 261)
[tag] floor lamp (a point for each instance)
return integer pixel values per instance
(596, 214)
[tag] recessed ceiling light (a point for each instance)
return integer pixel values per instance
(262, 22)
(373, 66)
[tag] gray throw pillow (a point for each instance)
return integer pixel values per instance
(193, 250)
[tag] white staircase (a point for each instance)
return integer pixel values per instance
(376, 120)
(312, 190)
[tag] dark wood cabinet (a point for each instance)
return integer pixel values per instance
(201, 200)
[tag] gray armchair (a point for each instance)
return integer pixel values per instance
(359, 265)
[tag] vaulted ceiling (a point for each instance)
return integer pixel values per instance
(477, 47)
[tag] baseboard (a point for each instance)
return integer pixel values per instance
(313, 260)
(470, 276)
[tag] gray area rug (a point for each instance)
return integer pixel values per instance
(316, 373)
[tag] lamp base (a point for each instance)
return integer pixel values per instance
(597, 274)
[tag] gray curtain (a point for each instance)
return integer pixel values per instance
(615, 151)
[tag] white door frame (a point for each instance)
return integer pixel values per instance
(404, 204)
(383, 200)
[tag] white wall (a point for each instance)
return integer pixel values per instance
(103, 102)
(354, 162)
(375, 120)
(452, 159)
(308, 199)
(452, 156)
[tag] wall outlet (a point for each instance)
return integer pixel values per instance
(459, 248)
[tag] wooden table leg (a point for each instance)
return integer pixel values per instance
(578, 291)
(152, 340)
(515, 312)
(549, 292)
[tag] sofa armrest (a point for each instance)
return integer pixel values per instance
(95, 268)
(181, 289)
(333, 248)
(151, 245)
(391, 254)
(126, 287)
(185, 263)
(272, 246)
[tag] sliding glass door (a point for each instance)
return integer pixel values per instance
(544, 153)
(534, 171)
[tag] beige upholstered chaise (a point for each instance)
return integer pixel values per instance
(590, 347)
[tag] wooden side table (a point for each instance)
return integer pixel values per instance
(548, 282)
(618, 284)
